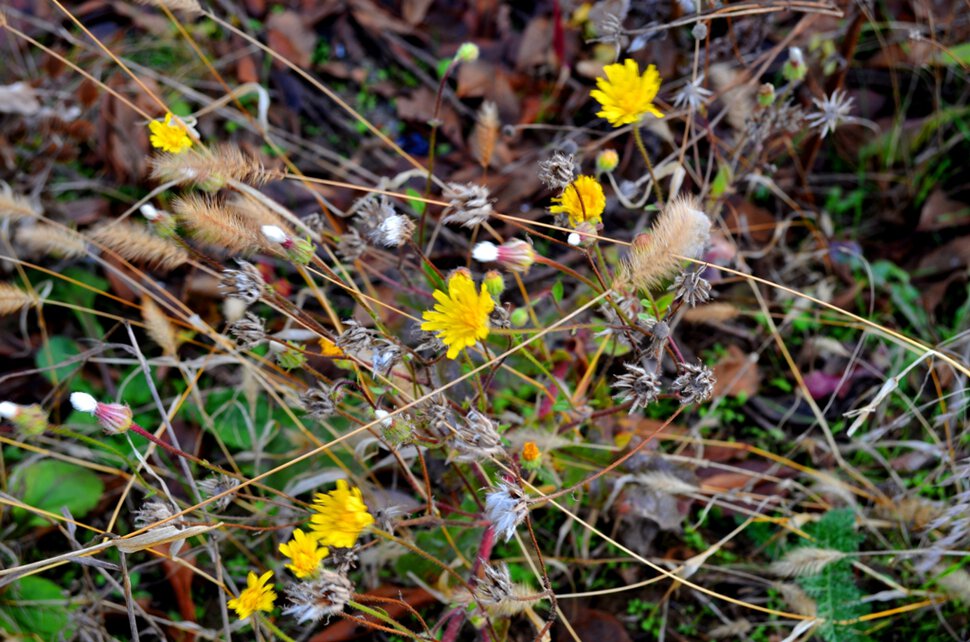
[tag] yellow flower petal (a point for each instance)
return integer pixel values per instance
(340, 516)
(460, 318)
(625, 94)
(257, 596)
(582, 200)
(168, 136)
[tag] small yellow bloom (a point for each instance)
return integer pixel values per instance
(257, 596)
(329, 349)
(460, 318)
(530, 452)
(305, 554)
(625, 94)
(340, 516)
(582, 200)
(169, 136)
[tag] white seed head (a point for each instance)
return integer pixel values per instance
(485, 252)
(150, 212)
(384, 417)
(8, 409)
(274, 234)
(83, 402)
(574, 239)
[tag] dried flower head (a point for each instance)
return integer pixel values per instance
(477, 438)
(691, 288)
(319, 598)
(693, 95)
(351, 245)
(152, 512)
(170, 135)
(625, 94)
(257, 596)
(305, 554)
(394, 231)
(514, 255)
(506, 507)
(217, 485)
(583, 201)
(384, 358)
(468, 205)
(500, 595)
(558, 171)
(340, 516)
(833, 111)
(681, 231)
(437, 420)
(461, 316)
(115, 418)
(356, 338)
(319, 401)
(638, 385)
(246, 283)
(248, 331)
(695, 383)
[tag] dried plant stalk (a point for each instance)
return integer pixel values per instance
(190, 7)
(682, 231)
(216, 224)
(14, 206)
(805, 560)
(136, 244)
(13, 299)
(212, 168)
(50, 240)
(158, 326)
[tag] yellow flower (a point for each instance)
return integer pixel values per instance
(257, 596)
(305, 554)
(169, 136)
(329, 349)
(530, 452)
(582, 200)
(340, 516)
(626, 95)
(460, 318)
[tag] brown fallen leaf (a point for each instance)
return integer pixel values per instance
(736, 375)
(414, 11)
(940, 212)
(419, 108)
(290, 36)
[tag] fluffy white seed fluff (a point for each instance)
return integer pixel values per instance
(485, 252)
(273, 234)
(83, 402)
(8, 409)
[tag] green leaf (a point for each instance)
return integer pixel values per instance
(557, 291)
(721, 182)
(35, 607)
(51, 485)
(416, 205)
(442, 67)
(58, 350)
(958, 55)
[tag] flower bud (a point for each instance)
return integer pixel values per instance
(494, 283)
(514, 255)
(766, 94)
(467, 52)
(115, 418)
(794, 68)
(607, 160)
(31, 420)
(531, 456)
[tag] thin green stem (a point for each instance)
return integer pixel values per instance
(646, 157)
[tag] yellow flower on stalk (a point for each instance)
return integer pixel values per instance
(340, 516)
(305, 554)
(460, 318)
(329, 349)
(170, 136)
(582, 200)
(257, 596)
(625, 95)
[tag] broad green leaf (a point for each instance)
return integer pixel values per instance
(57, 351)
(34, 607)
(51, 485)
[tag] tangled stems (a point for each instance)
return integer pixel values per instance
(646, 157)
